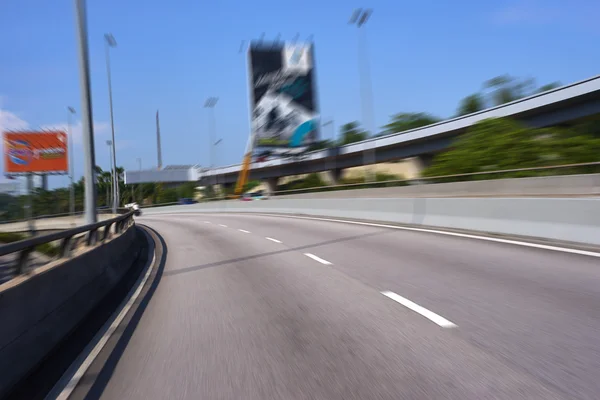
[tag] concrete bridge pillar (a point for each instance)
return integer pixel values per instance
(425, 160)
(271, 184)
(333, 176)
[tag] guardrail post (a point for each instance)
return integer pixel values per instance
(92, 237)
(22, 259)
(65, 247)
(106, 233)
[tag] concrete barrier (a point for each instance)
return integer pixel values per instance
(547, 186)
(569, 220)
(38, 311)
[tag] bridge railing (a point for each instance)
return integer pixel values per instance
(88, 235)
(60, 215)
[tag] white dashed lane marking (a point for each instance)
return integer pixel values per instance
(319, 259)
(430, 315)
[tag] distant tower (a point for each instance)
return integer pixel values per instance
(158, 142)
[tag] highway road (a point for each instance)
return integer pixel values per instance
(261, 307)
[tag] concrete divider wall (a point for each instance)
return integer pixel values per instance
(36, 313)
(571, 220)
(546, 186)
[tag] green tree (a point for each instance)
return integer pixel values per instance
(471, 104)
(548, 86)
(499, 144)
(505, 88)
(320, 145)
(352, 133)
(406, 121)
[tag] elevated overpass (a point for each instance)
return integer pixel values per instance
(555, 107)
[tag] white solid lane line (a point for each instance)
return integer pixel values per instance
(207, 222)
(319, 259)
(273, 240)
(430, 315)
(448, 233)
(224, 226)
(243, 230)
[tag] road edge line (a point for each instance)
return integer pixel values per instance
(65, 386)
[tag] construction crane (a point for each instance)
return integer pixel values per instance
(245, 170)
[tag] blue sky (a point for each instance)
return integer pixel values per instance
(424, 56)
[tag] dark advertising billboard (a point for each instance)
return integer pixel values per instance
(283, 95)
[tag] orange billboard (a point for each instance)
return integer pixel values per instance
(35, 152)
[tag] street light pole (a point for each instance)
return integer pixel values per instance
(331, 123)
(109, 41)
(215, 144)
(109, 143)
(210, 103)
(139, 160)
(91, 213)
(359, 18)
(71, 111)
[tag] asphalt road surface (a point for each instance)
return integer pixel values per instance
(263, 307)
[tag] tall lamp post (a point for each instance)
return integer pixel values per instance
(331, 123)
(109, 41)
(139, 160)
(359, 18)
(91, 213)
(210, 104)
(71, 111)
(109, 143)
(215, 144)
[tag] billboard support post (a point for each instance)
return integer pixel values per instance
(90, 211)
(29, 204)
(71, 111)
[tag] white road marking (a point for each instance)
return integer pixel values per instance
(319, 259)
(207, 222)
(67, 383)
(430, 315)
(273, 240)
(224, 226)
(455, 234)
(243, 230)
(407, 228)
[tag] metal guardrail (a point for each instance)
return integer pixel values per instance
(94, 233)
(78, 213)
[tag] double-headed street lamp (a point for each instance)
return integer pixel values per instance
(360, 18)
(71, 111)
(109, 42)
